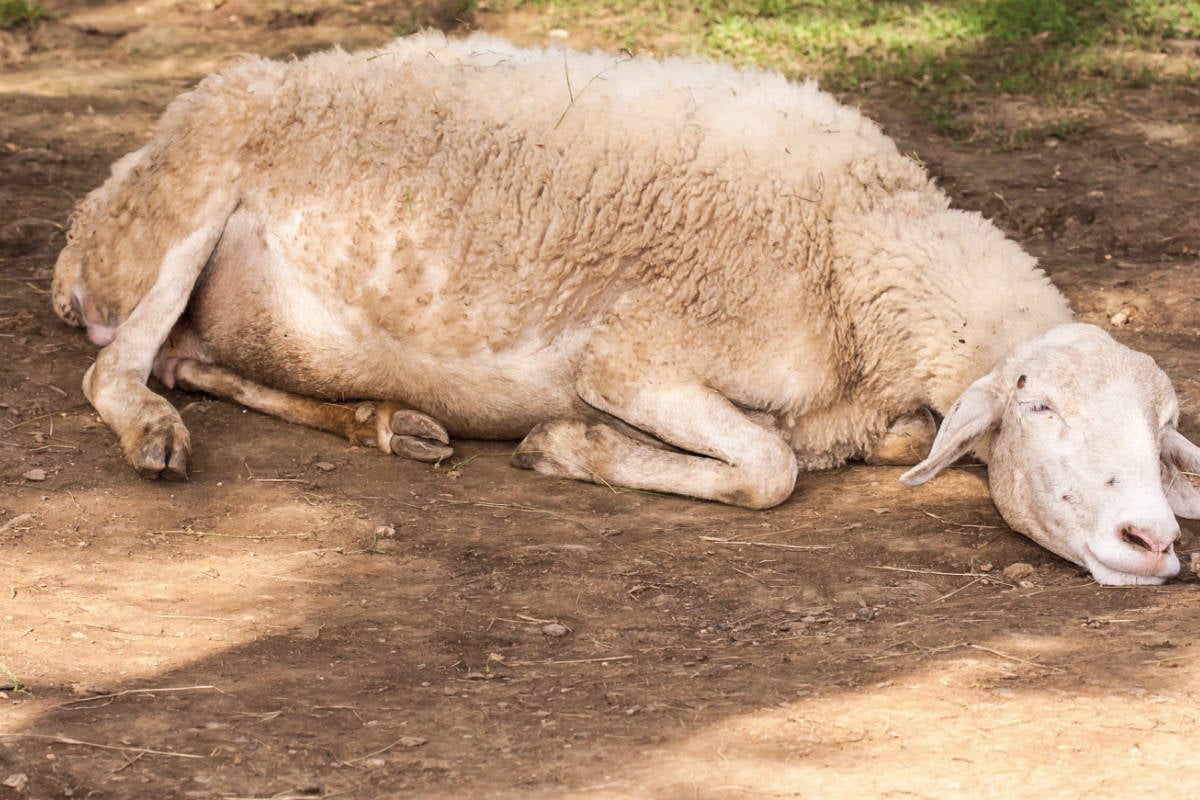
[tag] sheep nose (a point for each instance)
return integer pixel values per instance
(1141, 538)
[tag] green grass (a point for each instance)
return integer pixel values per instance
(15, 13)
(13, 680)
(946, 54)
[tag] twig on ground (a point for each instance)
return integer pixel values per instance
(840, 529)
(775, 545)
(959, 524)
(567, 661)
(518, 507)
(165, 690)
(1062, 588)
(253, 536)
(929, 571)
(129, 762)
(407, 741)
(948, 595)
(1018, 659)
(101, 746)
(19, 519)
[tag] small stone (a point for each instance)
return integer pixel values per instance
(556, 630)
(385, 532)
(1124, 316)
(1018, 571)
(324, 466)
(411, 741)
(16, 781)
(35, 475)
(374, 763)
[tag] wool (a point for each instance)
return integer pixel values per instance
(474, 229)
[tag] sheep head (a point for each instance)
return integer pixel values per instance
(1083, 454)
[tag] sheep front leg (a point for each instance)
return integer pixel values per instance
(151, 432)
(729, 458)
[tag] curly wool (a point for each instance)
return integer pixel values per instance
(471, 226)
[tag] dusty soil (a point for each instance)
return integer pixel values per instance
(307, 619)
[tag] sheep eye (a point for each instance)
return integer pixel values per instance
(1040, 408)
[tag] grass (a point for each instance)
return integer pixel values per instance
(946, 54)
(15, 683)
(16, 13)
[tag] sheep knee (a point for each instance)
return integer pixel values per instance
(766, 482)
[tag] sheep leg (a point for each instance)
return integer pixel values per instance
(906, 442)
(727, 456)
(150, 430)
(393, 429)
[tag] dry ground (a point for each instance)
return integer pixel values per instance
(306, 619)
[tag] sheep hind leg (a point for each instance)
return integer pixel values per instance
(393, 429)
(725, 456)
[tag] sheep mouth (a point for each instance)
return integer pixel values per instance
(1155, 573)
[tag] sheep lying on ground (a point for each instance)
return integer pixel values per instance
(668, 275)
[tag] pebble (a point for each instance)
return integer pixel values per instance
(35, 475)
(1124, 316)
(324, 466)
(16, 781)
(555, 629)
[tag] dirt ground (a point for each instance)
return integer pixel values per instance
(308, 619)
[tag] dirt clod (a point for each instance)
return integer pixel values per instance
(1019, 571)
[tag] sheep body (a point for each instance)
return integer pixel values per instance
(460, 225)
(669, 275)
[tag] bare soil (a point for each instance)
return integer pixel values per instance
(308, 619)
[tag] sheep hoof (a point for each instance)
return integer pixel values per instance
(420, 449)
(411, 434)
(162, 451)
(407, 422)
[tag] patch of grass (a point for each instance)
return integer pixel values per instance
(1063, 130)
(15, 13)
(14, 682)
(948, 54)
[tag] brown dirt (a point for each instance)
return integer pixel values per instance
(249, 635)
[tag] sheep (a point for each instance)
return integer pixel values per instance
(669, 275)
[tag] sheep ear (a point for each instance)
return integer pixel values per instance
(1180, 463)
(973, 415)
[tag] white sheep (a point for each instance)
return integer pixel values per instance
(669, 275)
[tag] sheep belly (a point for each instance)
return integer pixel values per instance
(288, 327)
